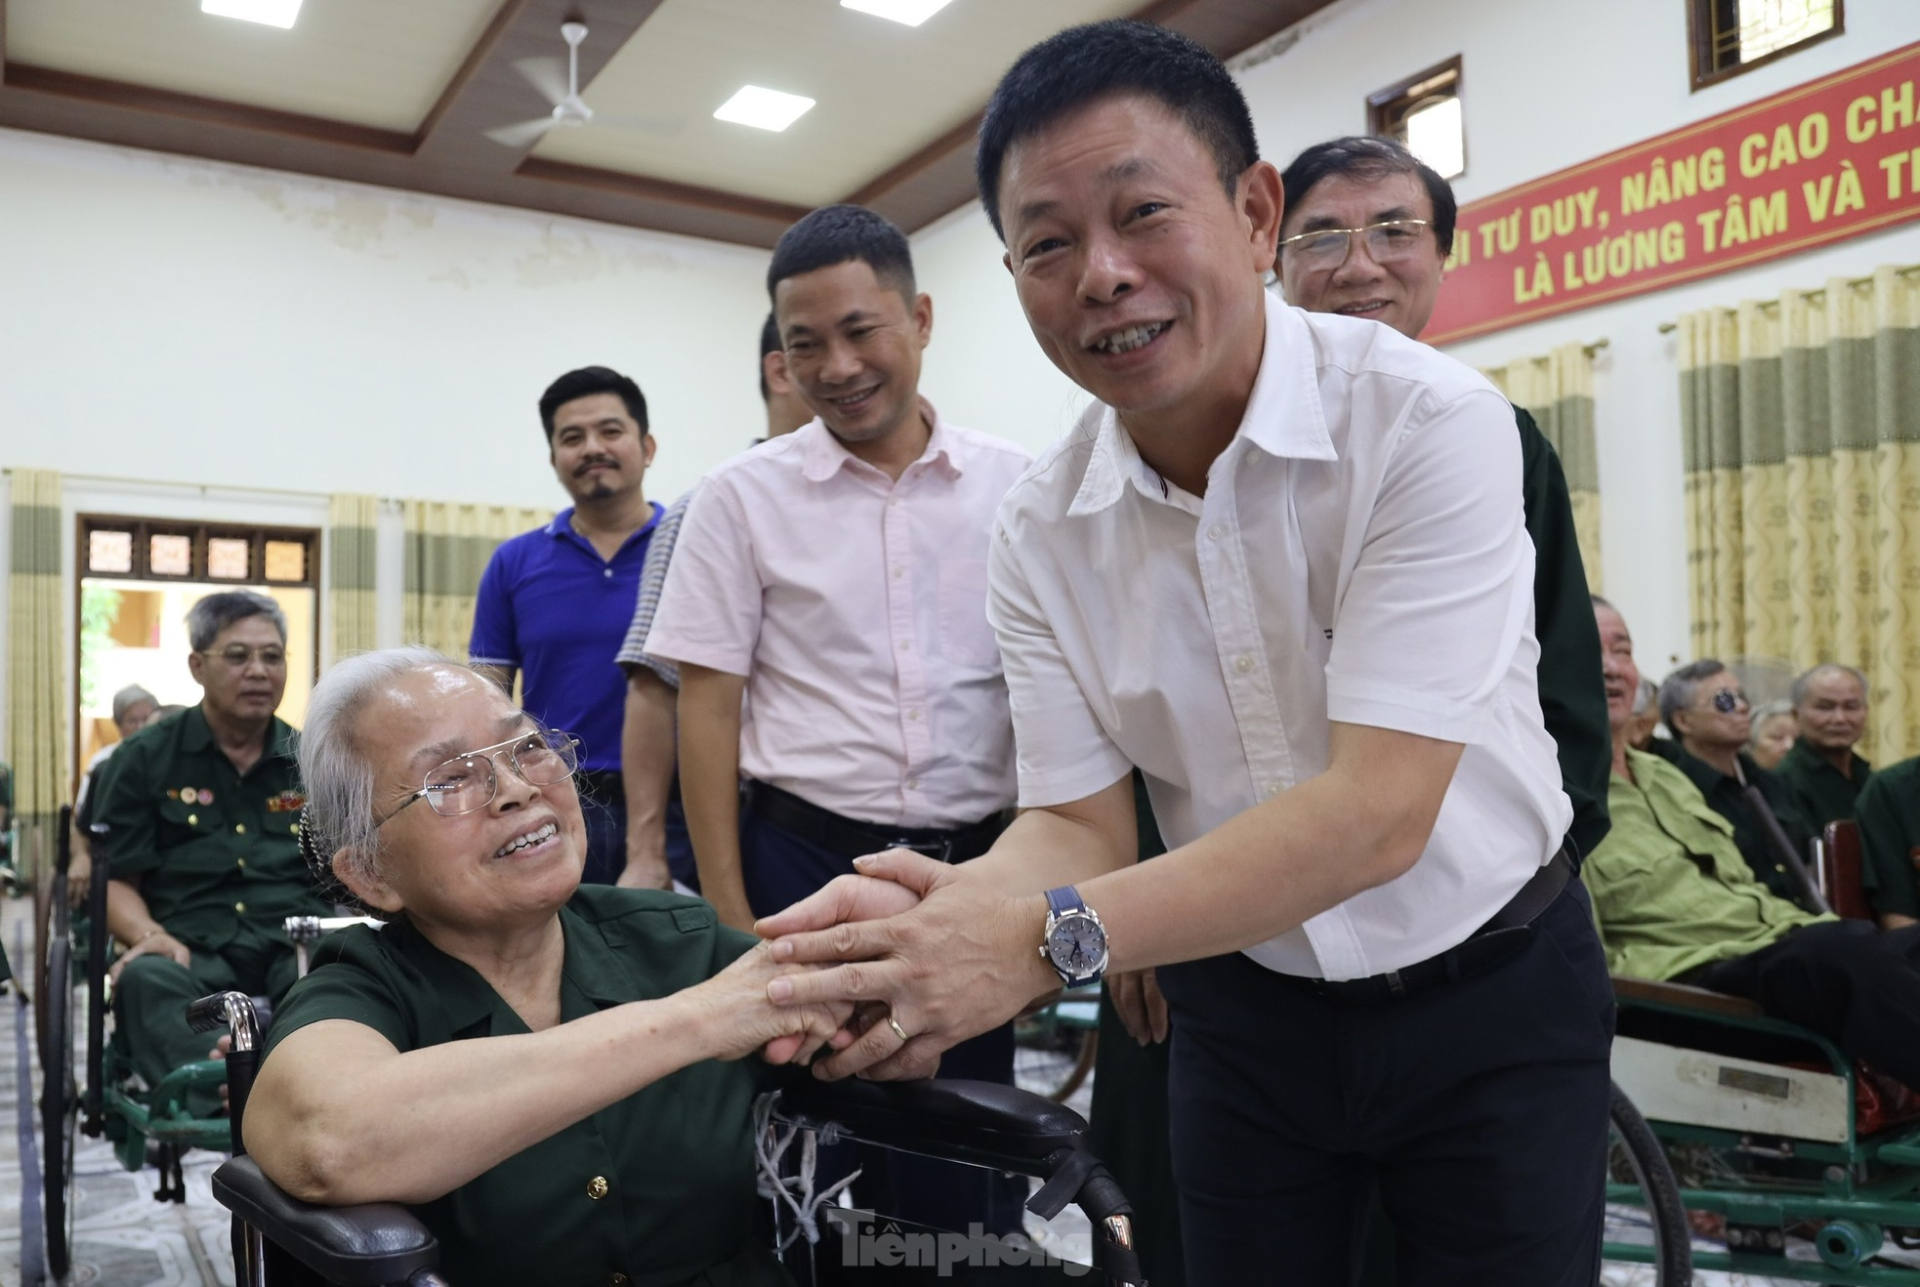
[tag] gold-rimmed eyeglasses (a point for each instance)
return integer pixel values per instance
(468, 782)
(1386, 241)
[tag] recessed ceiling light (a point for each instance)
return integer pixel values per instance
(274, 13)
(765, 109)
(911, 12)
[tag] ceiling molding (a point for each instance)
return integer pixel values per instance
(450, 155)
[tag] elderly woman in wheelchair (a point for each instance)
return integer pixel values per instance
(555, 1078)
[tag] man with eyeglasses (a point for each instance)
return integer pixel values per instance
(201, 815)
(1704, 705)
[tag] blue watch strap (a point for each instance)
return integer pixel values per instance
(1063, 900)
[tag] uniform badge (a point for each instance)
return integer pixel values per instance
(206, 796)
(189, 794)
(172, 794)
(286, 802)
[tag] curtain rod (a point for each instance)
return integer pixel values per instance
(1906, 270)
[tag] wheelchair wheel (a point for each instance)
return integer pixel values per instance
(1054, 1062)
(1646, 1222)
(59, 1102)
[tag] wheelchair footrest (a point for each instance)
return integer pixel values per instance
(359, 1246)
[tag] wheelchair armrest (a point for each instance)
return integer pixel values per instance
(362, 1246)
(1683, 996)
(972, 1121)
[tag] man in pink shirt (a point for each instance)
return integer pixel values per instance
(836, 580)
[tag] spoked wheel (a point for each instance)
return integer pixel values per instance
(59, 1099)
(1646, 1221)
(1054, 1060)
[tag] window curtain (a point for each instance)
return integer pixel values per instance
(36, 748)
(352, 538)
(447, 549)
(1557, 390)
(1802, 424)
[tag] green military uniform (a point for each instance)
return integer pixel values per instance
(654, 1190)
(216, 856)
(1825, 793)
(1888, 812)
(1726, 797)
(1670, 890)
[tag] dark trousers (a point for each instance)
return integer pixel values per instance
(1854, 984)
(779, 869)
(1479, 1107)
(603, 804)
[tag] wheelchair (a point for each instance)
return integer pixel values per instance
(1775, 1134)
(1055, 1047)
(87, 1085)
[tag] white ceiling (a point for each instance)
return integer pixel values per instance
(884, 90)
(381, 63)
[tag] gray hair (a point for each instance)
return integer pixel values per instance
(1771, 711)
(1677, 690)
(1798, 693)
(334, 767)
(130, 696)
(207, 618)
(1646, 696)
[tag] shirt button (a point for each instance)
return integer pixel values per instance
(913, 715)
(193, 819)
(597, 1187)
(905, 644)
(607, 572)
(1243, 663)
(240, 862)
(239, 907)
(899, 572)
(240, 828)
(1215, 532)
(913, 784)
(618, 1280)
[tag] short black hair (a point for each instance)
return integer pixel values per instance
(769, 343)
(1121, 56)
(843, 234)
(586, 382)
(1369, 156)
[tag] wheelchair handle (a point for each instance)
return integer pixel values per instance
(233, 1011)
(308, 929)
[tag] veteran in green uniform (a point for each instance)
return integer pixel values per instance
(1888, 812)
(202, 816)
(1830, 705)
(553, 1077)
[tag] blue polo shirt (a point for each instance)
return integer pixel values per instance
(550, 607)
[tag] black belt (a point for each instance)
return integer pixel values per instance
(852, 838)
(1504, 934)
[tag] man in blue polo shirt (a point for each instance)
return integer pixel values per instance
(555, 602)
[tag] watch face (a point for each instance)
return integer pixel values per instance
(1077, 945)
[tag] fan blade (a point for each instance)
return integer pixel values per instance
(524, 134)
(546, 75)
(651, 124)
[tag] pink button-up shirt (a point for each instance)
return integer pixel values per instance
(856, 608)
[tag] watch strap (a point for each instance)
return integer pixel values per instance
(1063, 900)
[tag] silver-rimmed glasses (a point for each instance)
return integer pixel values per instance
(467, 783)
(1326, 248)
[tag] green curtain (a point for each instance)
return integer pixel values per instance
(36, 748)
(447, 548)
(352, 539)
(1801, 418)
(1558, 390)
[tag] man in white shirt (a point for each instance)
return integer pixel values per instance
(836, 579)
(1280, 566)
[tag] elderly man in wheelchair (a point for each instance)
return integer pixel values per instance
(1784, 1001)
(557, 1081)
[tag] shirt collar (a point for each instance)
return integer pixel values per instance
(562, 527)
(196, 734)
(562, 524)
(1284, 417)
(823, 455)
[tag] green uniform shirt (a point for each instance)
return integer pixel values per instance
(1726, 797)
(1573, 697)
(1669, 888)
(1888, 812)
(217, 855)
(1825, 793)
(658, 1187)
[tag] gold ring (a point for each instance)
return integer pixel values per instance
(898, 1031)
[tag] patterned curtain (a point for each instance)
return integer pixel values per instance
(447, 549)
(36, 668)
(1802, 425)
(1558, 390)
(352, 537)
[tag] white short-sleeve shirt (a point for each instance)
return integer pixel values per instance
(1360, 555)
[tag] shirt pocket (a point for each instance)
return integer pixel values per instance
(189, 835)
(966, 638)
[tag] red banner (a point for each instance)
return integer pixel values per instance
(1824, 161)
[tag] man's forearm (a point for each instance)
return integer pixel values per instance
(710, 786)
(647, 753)
(127, 916)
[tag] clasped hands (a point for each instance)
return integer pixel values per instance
(926, 956)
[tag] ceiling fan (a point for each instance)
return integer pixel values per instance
(564, 93)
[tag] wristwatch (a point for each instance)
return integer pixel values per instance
(1074, 942)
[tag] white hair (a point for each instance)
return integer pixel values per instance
(1803, 686)
(334, 764)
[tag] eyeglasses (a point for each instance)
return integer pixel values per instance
(468, 783)
(239, 656)
(1386, 241)
(1729, 700)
